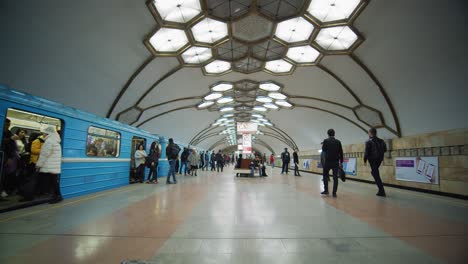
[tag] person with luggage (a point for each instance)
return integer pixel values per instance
(152, 163)
(374, 153)
(172, 153)
(333, 160)
(285, 158)
(140, 160)
(50, 161)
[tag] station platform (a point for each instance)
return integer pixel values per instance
(220, 218)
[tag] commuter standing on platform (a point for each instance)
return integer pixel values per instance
(375, 150)
(272, 160)
(333, 160)
(219, 161)
(207, 159)
(202, 160)
(50, 161)
(296, 163)
(194, 161)
(285, 158)
(140, 157)
(184, 162)
(172, 153)
(213, 161)
(153, 161)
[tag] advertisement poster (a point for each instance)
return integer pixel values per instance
(247, 143)
(246, 127)
(306, 164)
(350, 166)
(417, 169)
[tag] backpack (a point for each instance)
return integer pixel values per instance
(378, 149)
(173, 151)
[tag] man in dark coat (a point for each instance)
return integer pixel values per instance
(333, 160)
(375, 150)
(296, 163)
(286, 158)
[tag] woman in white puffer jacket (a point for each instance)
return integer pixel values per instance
(50, 161)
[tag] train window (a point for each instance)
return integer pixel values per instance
(27, 126)
(102, 143)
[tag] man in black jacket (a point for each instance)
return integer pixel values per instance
(333, 160)
(296, 163)
(219, 161)
(172, 154)
(286, 158)
(375, 150)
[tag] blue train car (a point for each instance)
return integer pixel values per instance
(84, 170)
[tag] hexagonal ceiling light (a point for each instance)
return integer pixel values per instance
(222, 87)
(332, 10)
(168, 40)
(303, 54)
(294, 30)
(269, 86)
(180, 11)
(217, 66)
(336, 38)
(278, 66)
(196, 55)
(209, 30)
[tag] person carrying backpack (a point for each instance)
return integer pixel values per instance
(375, 150)
(172, 153)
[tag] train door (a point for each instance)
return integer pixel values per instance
(22, 139)
(136, 142)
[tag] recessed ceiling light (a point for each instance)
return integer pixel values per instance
(180, 11)
(303, 54)
(278, 66)
(332, 10)
(257, 115)
(209, 30)
(259, 108)
(228, 115)
(271, 87)
(213, 96)
(222, 87)
(264, 99)
(336, 38)
(277, 96)
(224, 100)
(271, 106)
(294, 30)
(283, 103)
(196, 55)
(217, 66)
(205, 104)
(168, 40)
(226, 109)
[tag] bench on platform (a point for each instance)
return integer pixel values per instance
(244, 167)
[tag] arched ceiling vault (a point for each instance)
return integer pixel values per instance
(159, 68)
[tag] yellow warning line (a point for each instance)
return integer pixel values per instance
(64, 204)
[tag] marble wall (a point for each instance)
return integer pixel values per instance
(450, 146)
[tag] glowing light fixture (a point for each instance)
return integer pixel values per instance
(196, 55)
(264, 99)
(205, 104)
(213, 96)
(336, 38)
(332, 10)
(226, 109)
(283, 103)
(209, 30)
(294, 30)
(278, 66)
(224, 100)
(277, 96)
(271, 87)
(257, 116)
(259, 108)
(180, 11)
(303, 54)
(168, 40)
(217, 66)
(228, 115)
(271, 106)
(222, 87)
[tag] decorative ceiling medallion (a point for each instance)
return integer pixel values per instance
(252, 28)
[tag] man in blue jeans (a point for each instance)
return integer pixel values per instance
(172, 153)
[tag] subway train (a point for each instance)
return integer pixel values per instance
(83, 172)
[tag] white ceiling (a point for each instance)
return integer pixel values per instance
(82, 53)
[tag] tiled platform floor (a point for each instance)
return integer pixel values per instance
(218, 218)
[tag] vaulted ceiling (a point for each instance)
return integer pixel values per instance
(191, 69)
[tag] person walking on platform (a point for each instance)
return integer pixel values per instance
(194, 160)
(207, 160)
(220, 161)
(296, 163)
(183, 161)
(202, 160)
(213, 161)
(272, 161)
(285, 158)
(172, 154)
(374, 153)
(50, 161)
(333, 160)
